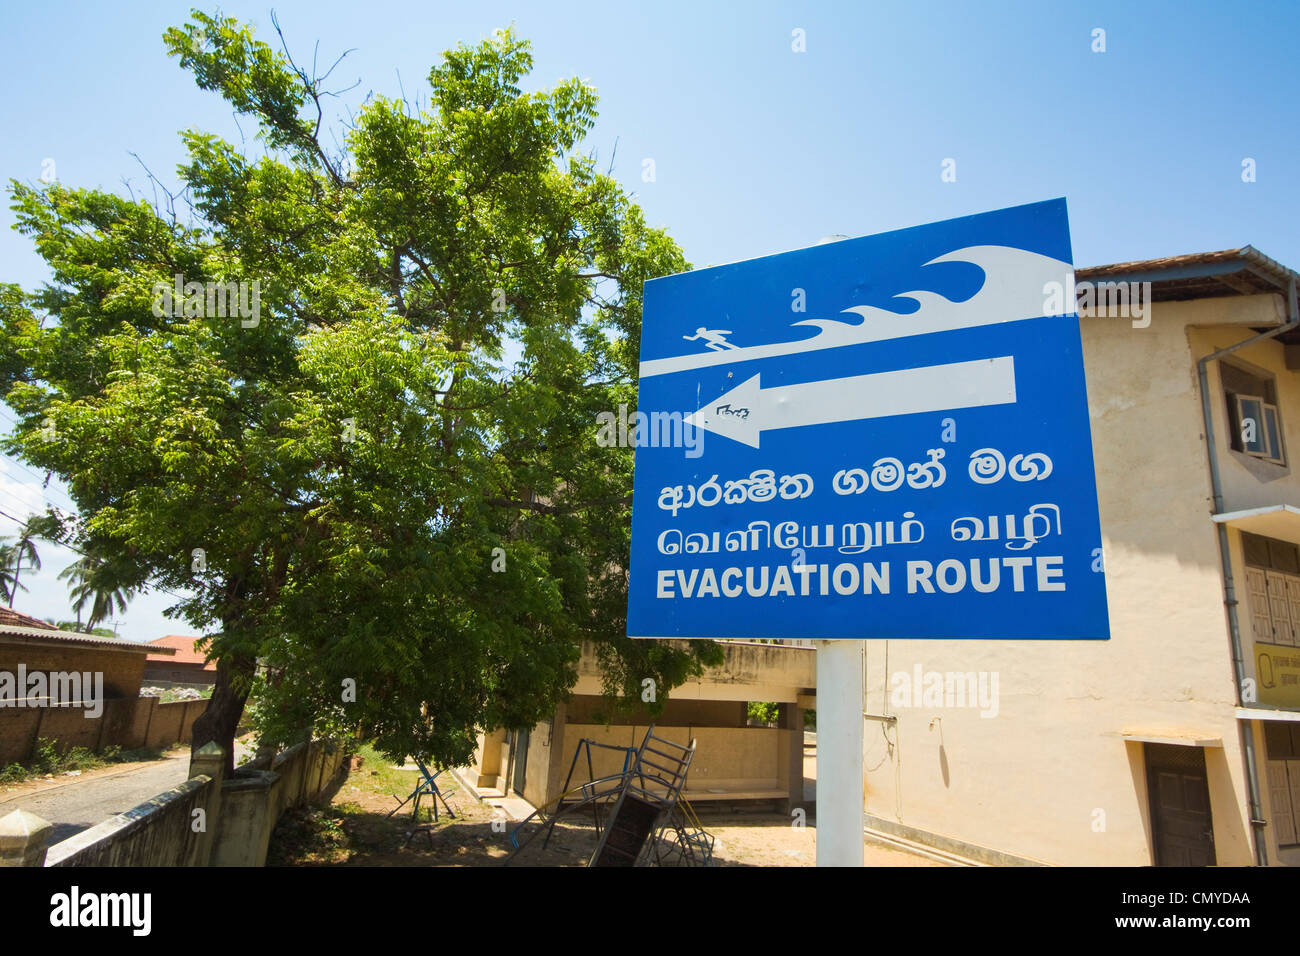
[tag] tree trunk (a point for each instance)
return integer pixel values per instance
(219, 722)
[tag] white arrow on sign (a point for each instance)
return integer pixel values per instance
(748, 410)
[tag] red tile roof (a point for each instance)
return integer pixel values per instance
(183, 645)
(12, 618)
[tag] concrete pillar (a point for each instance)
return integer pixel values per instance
(24, 839)
(248, 805)
(790, 723)
(839, 754)
(209, 761)
(490, 771)
(560, 757)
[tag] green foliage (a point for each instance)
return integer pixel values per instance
(97, 581)
(763, 712)
(22, 553)
(45, 757)
(310, 835)
(82, 628)
(349, 463)
(46, 760)
(9, 583)
(79, 758)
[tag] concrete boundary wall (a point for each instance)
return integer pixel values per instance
(251, 804)
(207, 821)
(127, 723)
(159, 832)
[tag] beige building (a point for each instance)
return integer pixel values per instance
(734, 762)
(1178, 740)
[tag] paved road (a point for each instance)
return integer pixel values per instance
(82, 802)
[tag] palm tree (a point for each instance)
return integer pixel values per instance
(8, 579)
(33, 528)
(93, 583)
(78, 575)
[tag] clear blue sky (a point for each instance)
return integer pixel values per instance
(757, 148)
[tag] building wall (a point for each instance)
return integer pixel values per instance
(129, 724)
(122, 669)
(179, 672)
(1249, 482)
(731, 761)
(1048, 778)
(734, 762)
(750, 671)
(711, 713)
(537, 775)
(491, 760)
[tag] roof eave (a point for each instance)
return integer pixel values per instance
(35, 635)
(1209, 265)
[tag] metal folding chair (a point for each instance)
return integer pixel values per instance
(644, 810)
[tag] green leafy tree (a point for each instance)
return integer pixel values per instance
(84, 629)
(381, 481)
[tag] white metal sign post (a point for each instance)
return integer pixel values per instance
(839, 753)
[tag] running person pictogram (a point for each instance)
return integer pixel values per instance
(713, 338)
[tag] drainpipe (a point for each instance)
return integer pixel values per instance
(1245, 728)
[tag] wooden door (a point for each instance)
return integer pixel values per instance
(1179, 791)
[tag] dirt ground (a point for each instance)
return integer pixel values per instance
(354, 830)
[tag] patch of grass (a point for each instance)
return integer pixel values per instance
(307, 835)
(78, 758)
(47, 760)
(378, 776)
(185, 693)
(45, 757)
(356, 827)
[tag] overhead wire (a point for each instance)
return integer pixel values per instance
(153, 584)
(45, 490)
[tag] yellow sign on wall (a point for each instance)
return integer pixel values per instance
(1277, 671)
